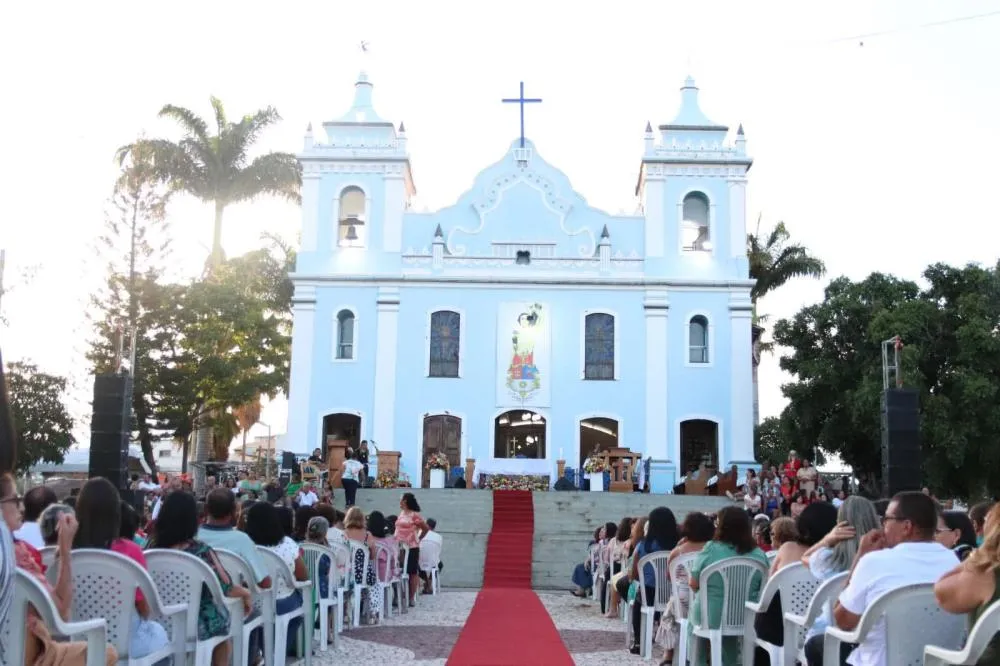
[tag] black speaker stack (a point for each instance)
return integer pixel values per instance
(110, 428)
(900, 441)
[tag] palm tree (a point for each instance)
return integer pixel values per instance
(247, 417)
(215, 166)
(774, 262)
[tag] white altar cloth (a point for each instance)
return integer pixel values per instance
(541, 467)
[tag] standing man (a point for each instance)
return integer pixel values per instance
(363, 459)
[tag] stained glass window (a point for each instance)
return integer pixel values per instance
(445, 343)
(698, 340)
(345, 335)
(599, 346)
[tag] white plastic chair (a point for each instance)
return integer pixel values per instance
(796, 586)
(430, 553)
(982, 633)
(403, 560)
(334, 600)
(679, 589)
(240, 572)
(104, 586)
(179, 578)
(912, 620)
(29, 593)
(342, 559)
(658, 561)
(48, 554)
(389, 578)
(278, 570)
(738, 574)
(797, 625)
(771, 555)
(598, 561)
(357, 586)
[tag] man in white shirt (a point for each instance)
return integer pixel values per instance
(307, 496)
(430, 557)
(172, 484)
(35, 501)
(902, 553)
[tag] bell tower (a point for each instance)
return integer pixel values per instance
(356, 184)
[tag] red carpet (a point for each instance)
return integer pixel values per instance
(508, 625)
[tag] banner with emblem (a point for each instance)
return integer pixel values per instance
(524, 365)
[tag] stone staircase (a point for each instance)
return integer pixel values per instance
(564, 524)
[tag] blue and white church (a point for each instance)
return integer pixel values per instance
(520, 325)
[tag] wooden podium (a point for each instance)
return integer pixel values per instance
(388, 461)
(470, 469)
(336, 454)
(622, 463)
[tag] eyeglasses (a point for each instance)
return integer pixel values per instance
(12, 499)
(886, 519)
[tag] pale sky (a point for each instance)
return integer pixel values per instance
(876, 156)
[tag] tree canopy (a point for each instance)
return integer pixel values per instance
(951, 355)
(43, 426)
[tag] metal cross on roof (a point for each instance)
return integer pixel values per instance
(522, 100)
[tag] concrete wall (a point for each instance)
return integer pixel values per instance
(564, 524)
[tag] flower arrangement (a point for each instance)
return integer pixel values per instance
(387, 479)
(595, 464)
(437, 461)
(537, 482)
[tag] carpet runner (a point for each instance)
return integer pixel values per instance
(508, 625)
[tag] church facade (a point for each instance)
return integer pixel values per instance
(520, 325)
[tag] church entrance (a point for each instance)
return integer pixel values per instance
(699, 444)
(519, 434)
(340, 429)
(596, 434)
(442, 433)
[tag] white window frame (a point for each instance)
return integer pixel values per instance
(583, 344)
(710, 339)
(336, 335)
(461, 340)
(711, 222)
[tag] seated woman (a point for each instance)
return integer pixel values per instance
(608, 544)
(833, 554)
(661, 535)
(732, 538)
(176, 529)
(357, 533)
(974, 585)
(40, 648)
(583, 577)
(316, 533)
(618, 551)
(696, 531)
(620, 582)
(955, 531)
(48, 522)
(102, 516)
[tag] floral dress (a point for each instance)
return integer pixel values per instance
(213, 620)
(368, 610)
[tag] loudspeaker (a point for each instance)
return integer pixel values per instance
(900, 441)
(288, 461)
(110, 428)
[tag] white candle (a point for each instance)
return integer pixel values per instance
(560, 453)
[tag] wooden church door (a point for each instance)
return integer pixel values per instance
(441, 433)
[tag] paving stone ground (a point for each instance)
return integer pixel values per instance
(426, 635)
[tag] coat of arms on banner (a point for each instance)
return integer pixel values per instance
(523, 377)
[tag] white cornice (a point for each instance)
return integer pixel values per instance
(568, 281)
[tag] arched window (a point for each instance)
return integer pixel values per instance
(345, 335)
(695, 223)
(445, 343)
(351, 222)
(599, 346)
(698, 339)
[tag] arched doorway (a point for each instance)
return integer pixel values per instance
(699, 444)
(340, 428)
(519, 434)
(597, 434)
(442, 432)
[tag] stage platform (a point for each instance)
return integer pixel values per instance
(564, 524)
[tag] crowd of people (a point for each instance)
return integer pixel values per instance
(227, 516)
(883, 544)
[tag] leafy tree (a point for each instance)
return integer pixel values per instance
(135, 245)
(215, 166)
(773, 262)
(42, 424)
(951, 356)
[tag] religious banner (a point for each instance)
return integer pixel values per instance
(524, 367)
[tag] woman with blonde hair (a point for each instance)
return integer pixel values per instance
(974, 585)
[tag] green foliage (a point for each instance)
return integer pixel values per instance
(42, 423)
(951, 355)
(774, 261)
